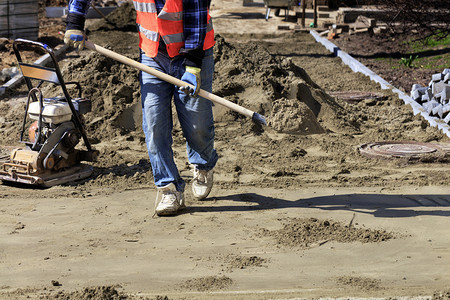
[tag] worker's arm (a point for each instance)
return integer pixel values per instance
(76, 18)
(195, 19)
(77, 13)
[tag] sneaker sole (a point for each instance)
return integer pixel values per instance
(167, 212)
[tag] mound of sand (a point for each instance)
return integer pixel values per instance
(304, 233)
(249, 75)
(113, 89)
(123, 18)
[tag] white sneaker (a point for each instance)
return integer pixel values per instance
(202, 183)
(171, 200)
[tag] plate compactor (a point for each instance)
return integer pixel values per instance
(54, 125)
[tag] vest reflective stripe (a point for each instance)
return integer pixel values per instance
(168, 24)
(145, 15)
(148, 46)
(173, 38)
(209, 38)
(151, 35)
(145, 7)
(209, 26)
(175, 16)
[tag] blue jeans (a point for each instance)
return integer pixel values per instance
(194, 113)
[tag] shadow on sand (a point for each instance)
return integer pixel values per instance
(378, 205)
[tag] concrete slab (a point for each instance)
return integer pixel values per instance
(58, 12)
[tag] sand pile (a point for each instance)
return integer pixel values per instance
(92, 293)
(123, 18)
(113, 89)
(305, 233)
(249, 75)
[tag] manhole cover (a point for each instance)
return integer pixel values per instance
(400, 149)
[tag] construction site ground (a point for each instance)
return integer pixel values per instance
(296, 211)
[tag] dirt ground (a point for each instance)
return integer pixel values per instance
(296, 211)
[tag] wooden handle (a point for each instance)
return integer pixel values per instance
(99, 11)
(175, 81)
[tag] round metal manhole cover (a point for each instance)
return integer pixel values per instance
(400, 149)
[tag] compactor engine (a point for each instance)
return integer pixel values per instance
(51, 130)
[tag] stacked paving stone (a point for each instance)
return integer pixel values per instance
(435, 98)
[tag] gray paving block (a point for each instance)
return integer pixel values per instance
(437, 110)
(446, 108)
(437, 87)
(428, 106)
(447, 78)
(424, 90)
(427, 96)
(447, 119)
(415, 87)
(416, 95)
(446, 71)
(445, 93)
(431, 104)
(437, 77)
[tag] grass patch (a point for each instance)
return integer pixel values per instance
(439, 62)
(432, 53)
(436, 41)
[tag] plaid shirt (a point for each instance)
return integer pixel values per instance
(195, 14)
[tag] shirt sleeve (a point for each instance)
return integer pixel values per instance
(79, 7)
(77, 14)
(195, 19)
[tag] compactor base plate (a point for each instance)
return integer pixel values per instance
(47, 179)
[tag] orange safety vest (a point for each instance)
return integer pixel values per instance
(168, 24)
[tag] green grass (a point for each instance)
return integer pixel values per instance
(435, 41)
(415, 60)
(439, 62)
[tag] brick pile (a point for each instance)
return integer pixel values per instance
(435, 98)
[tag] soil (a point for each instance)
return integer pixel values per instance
(382, 53)
(296, 210)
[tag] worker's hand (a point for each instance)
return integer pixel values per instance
(75, 38)
(191, 76)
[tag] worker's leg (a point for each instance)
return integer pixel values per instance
(196, 119)
(156, 96)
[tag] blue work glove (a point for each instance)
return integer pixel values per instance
(75, 38)
(191, 76)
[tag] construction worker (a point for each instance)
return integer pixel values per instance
(177, 38)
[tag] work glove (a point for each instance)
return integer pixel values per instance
(191, 76)
(75, 38)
